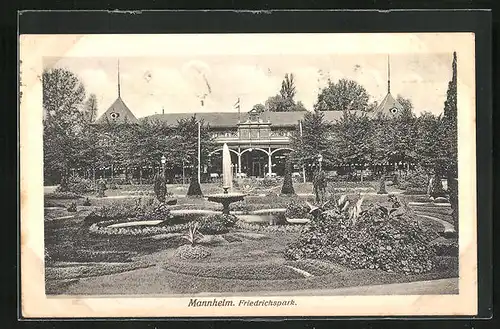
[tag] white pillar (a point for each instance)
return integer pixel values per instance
(239, 160)
(270, 163)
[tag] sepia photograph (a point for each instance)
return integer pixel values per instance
(215, 176)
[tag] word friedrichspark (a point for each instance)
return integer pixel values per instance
(195, 302)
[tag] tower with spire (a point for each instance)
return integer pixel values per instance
(118, 112)
(389, 105)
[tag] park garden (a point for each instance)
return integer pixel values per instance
(145, 233)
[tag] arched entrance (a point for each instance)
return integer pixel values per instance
(254, 161)
(278, 157)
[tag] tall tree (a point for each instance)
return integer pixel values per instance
(314, 140)
(90, 109)
(287, 90)
(259, 108)
(451, 137)
(284, 101)
(63, 95)
(352, 142)
(406, 103)
(341, 96)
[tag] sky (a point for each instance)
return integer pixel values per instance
(177, 83)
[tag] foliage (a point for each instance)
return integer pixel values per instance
(63, 95)
(62, 195)
(417, 179)
(297, 210)
(385, 236)
(160, 187)
(353, 140)
(381, 187)
(259, 108)
(287, 187)
(76, 184)
(189, 252)
(138, 209)
(284, 101)
(217, 224)
(194, 188)
(90, 109)
(72, 207)
(193, 234)
(345, 95)
(445, 247)
(451, 141)
(315, 140)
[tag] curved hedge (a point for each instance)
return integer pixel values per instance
(103, 228)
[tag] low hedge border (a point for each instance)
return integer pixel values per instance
(235, 272)
(269, 229)
(101, 228)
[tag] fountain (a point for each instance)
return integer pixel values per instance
(226, 198)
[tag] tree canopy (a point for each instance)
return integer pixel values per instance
(341, 96)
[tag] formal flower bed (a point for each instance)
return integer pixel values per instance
(384, 237)
(131, 210)
(189, 252)
(104, 229)
(242, 271)
(217, 223)
(62, 195)
(288, 228)
(297, 210)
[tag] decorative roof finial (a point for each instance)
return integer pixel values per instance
(118, 78)
(388, 75)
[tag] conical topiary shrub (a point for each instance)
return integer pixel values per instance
(160, 187)
(287, 187)
(194, 187)
(381, 187)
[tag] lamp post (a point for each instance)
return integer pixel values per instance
(163, 161)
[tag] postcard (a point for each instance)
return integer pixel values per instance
(248, 175)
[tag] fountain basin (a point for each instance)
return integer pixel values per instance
(226, 199)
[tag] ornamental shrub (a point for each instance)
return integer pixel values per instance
(72, 207)
(297, 209)
(75, 184)
(287, 187)
(160, 187)
(194, 188)
(384, 237)
(217, 224)
(416, 182)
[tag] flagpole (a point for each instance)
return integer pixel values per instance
(239, 111)
(199, 152)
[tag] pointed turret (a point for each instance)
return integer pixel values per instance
(118, 112)
(389, 105)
